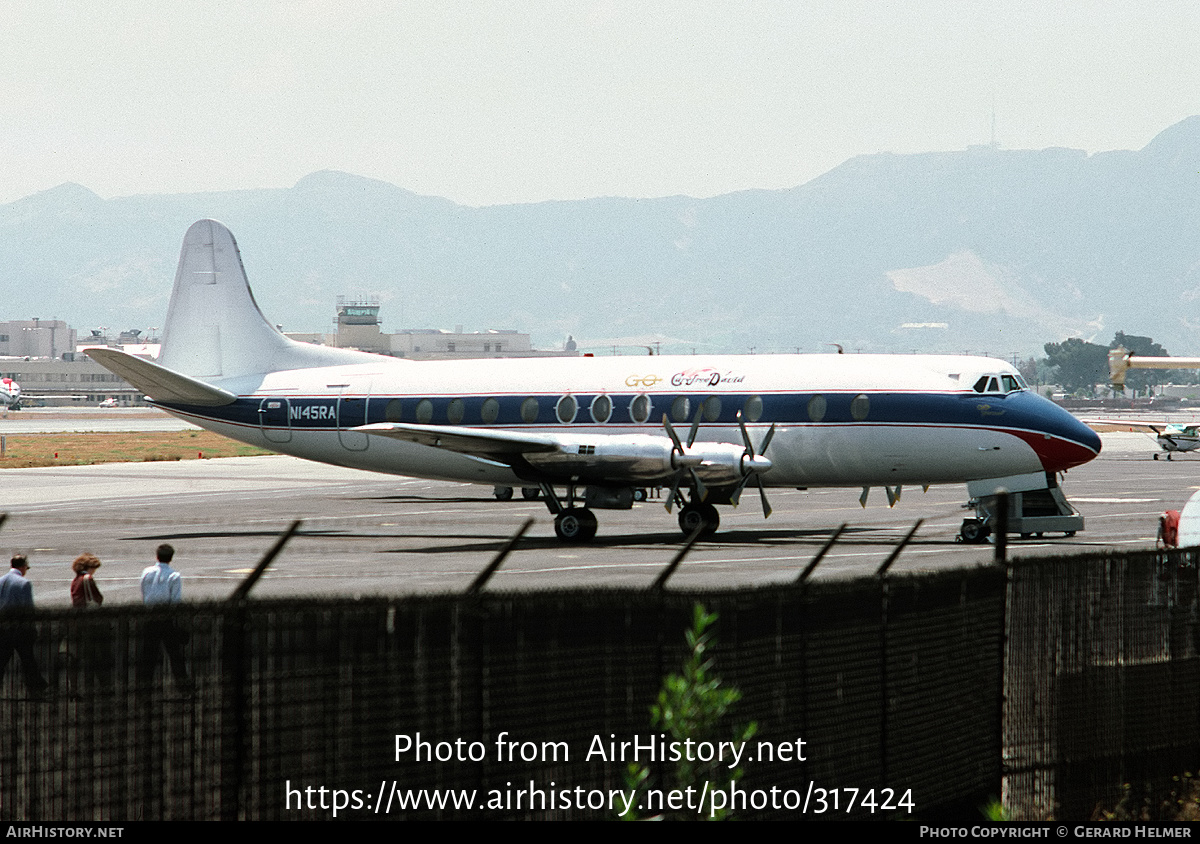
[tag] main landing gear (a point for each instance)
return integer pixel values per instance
(699, 515)
(505, 493)
(575, 524)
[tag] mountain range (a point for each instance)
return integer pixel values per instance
(982, 250)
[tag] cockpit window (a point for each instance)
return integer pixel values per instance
(986, 384)
(1004, 383)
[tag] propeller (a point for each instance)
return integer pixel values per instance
(753, 465)
(680, 460)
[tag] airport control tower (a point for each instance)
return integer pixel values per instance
(358, 325)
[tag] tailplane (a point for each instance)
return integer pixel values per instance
(214, 328)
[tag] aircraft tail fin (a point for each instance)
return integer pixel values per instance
(214, 328)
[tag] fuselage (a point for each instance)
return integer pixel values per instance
(841, 420)
(1179, 438)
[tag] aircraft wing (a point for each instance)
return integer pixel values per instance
(160, 383)
(472, 441)
(1155, 425)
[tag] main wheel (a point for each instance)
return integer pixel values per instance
(692, 516)
(575, 524)
(531, 493)
(973, 531)
(504, 493)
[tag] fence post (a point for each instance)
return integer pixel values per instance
(246, 585)
(881, 573)
(665, 574)
(812, 565)
(484, 576)
(1001, 531)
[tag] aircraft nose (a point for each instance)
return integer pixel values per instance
(1066, 442)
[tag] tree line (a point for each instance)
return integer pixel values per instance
(1078, 365)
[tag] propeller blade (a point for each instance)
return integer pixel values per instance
(671, 432)
(695, 425)
(736, 495)
(862, 499)
(701, 490)
(745, 435)
(674, 491)
(767, 439)
(762, 493)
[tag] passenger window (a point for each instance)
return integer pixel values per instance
(816, 408)
(712, 409)
(860, 407)
(753, 408)
(454, 413)
(424, 411)
(529, 410)
(566, 409)
(601, 409)
(392, 412)
(681, 409)
(490, 411)
(639, 408)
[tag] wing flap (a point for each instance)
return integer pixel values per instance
(473, 441)
(160, 383)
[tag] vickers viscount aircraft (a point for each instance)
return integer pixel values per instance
(590, 431)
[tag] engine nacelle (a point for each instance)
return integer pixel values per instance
(635, 457)
(642, 458)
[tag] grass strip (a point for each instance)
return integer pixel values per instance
(23, 451)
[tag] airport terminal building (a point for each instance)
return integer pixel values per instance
(49, 361)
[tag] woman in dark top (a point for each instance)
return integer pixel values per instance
(84, 591)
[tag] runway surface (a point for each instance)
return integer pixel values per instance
(365, 533)
(47, 420)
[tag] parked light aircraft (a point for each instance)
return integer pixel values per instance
(590, 431)
(1172, 437)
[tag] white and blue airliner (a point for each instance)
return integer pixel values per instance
(592, 432)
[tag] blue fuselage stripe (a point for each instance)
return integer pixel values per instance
(1018, 411)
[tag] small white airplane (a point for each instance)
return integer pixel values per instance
(590, 431)
(1172, 437)
(10, 394)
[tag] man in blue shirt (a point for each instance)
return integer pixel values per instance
(18, 634)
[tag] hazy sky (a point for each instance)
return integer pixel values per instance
(496, 102)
